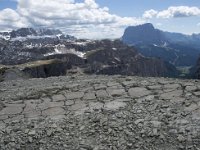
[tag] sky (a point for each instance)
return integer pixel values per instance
(100, 18)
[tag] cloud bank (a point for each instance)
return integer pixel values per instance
(172, 12)
(84, 19)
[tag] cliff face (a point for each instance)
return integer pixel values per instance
(195, 71)
(37, 69)
(53, 68)
(145, 33)
(125, 60)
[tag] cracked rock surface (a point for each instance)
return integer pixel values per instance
(100, 113)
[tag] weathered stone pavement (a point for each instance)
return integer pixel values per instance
(100, 113)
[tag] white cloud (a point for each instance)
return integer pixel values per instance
(159, 24)
(198, 24)
(11, 19)
(79, 19)
(150, 14)
(173, 12)
(180, 11)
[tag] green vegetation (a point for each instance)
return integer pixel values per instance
(184, 71)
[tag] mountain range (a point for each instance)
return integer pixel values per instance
(30, 33)
(46, 52)
(175, 48)
(29, 52)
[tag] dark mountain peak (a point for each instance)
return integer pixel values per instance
(147, 26)
(46, 31)
(176, 48)
(196, 36)
(142, 27)
(145, 33)
(23, 32)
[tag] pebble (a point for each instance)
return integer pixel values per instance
(33, 132)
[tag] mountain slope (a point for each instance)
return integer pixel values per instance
(117, 58)
(92, 56)
(176, 48)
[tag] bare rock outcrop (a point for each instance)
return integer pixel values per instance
(118, 58)
(100, 112)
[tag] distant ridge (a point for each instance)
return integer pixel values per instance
(176, 48)
(32, 33)
(145, 33)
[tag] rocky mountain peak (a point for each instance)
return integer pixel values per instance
(45, 31)
(23, 32)
(145, 33)
(176, 48)
(147, 26)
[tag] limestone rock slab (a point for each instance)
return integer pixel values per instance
(74, 95)
(53, 111)
(138, 92)
(11, 110)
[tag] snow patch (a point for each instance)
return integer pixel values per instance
(5, 37)
(165, 44)
(61, 49)
(29, 46)
(82, 43)
(58, 36)
(19, 38)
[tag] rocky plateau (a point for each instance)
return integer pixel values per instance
(98, 112)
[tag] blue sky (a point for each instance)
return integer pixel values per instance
(137, 7)
(169, 15)
(8, 4)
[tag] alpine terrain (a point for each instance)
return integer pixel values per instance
(176, 48)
